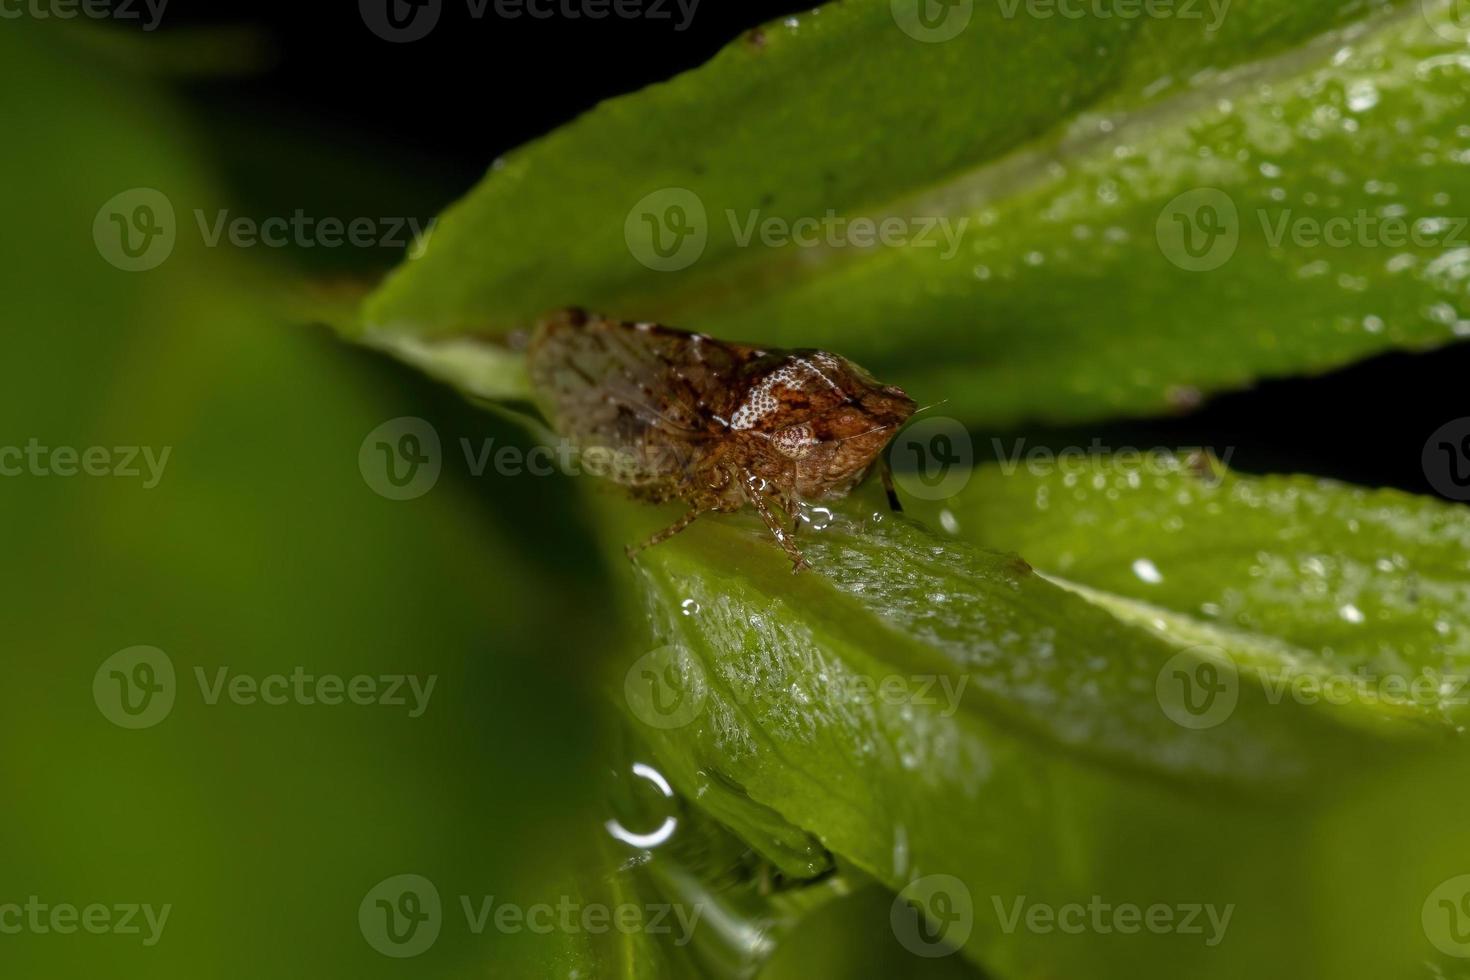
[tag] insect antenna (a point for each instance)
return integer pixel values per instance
(920, 411)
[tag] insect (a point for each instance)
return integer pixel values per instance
(681, 416)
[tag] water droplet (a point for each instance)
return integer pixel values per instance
(1362, 95)
(664, 831)
(817, 518)
(1147, 571)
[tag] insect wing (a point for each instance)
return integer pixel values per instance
(643, 399)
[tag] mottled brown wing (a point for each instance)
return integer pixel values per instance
(644, 397)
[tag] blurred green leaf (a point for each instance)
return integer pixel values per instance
(262, 549)
(1134, 201)
(928, 708)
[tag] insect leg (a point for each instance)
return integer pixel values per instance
(792, 504)
(665, 534)
(886, 472)
(798, 560)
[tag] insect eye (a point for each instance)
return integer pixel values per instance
(794, 441)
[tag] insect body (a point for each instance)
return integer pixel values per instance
(680, 416)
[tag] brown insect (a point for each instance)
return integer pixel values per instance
(680, 416)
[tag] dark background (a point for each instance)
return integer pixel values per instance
(419, 123)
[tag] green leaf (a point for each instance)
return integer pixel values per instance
(261, 550)
(1339, 581)
(926, 707)
(1071, 157)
